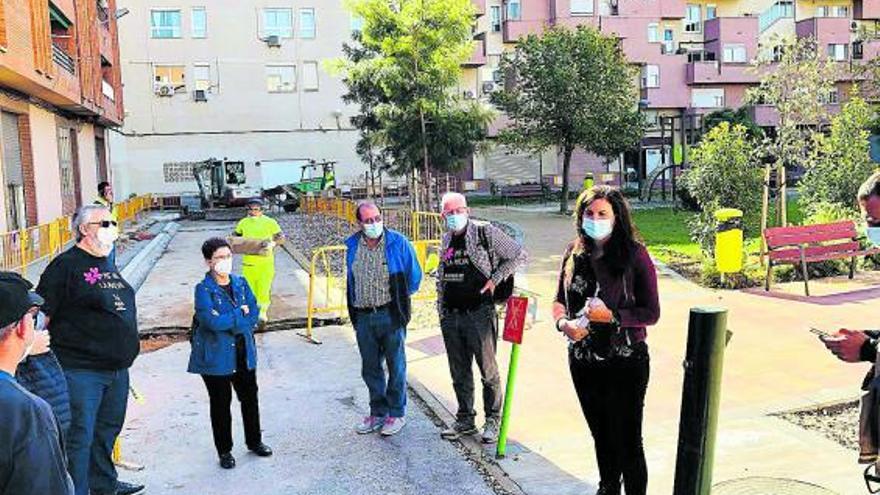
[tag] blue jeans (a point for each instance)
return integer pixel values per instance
(378, 340)
(98, 400)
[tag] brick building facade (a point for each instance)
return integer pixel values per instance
(60, 90)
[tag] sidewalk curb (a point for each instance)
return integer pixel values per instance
(473, 447)
(139, 268)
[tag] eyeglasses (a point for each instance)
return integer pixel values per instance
(105, 223)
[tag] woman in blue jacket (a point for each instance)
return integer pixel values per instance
(224, 351)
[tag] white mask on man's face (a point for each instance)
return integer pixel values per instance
(28, 345)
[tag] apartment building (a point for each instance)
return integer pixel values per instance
(243, 81)
(60, 91)
(693, 55)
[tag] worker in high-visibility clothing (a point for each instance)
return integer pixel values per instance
(259, 269)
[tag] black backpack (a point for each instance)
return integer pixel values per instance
(503, 290)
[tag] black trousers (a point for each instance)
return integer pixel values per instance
(473, 336)
(612, 398)
(220, 393)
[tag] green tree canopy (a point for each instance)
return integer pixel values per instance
(567, 89)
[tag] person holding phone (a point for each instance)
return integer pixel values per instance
(224, 352)
(606, 298)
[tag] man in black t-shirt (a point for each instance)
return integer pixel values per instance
(31, 454)
(475, 257)
(93, 326)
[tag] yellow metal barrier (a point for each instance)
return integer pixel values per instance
(21, 248)
(328, 265)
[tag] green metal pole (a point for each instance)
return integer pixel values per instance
(707, 338)
(508, 399)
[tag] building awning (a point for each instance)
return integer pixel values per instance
(56, 15)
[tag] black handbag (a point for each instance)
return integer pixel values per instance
(504, 289)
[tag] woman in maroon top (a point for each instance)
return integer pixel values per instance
(606, 297)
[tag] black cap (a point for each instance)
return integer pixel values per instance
(17, 297)
(255, 201)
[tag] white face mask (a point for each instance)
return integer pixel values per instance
(373, 230)
(29, 346)
(223, 267)
(457, 221)
(106, 237)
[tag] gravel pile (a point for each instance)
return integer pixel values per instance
(838, 422)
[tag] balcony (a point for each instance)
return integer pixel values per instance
(478, 57)
(825, 30)
(672, 9)
(715, 72)
(479, 6)
(783, 9)
(866, 9)
(732, 30)
(767, 116)
(513, 30)
(62, 59)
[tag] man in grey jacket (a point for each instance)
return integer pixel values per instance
(475, 258)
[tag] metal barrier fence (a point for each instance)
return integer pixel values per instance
(417, 225)
(21, 248)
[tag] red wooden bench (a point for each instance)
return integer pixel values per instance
(804, 244)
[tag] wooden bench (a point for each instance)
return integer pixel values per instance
(800, 245)
(533, 190)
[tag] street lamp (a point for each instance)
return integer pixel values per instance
(643, 105)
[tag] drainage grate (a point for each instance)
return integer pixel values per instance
(768, 486)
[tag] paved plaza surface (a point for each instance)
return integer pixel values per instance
(310, 395)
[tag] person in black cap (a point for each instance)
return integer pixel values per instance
(93, 324)
(32, 460)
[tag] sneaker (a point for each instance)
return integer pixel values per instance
(490, 430)
(392, 426)
(123, 488)
(458, 430)
(369, 425)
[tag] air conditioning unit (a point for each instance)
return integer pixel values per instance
(273, 41)
(164, 89)
(488, 86)
(468, 95)
(854, 26)
(200, 95)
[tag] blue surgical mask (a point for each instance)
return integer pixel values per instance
(597, 229)
(373, 230)
(873, 234)
(456, 222)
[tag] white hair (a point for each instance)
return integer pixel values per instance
(452, 196)
(83, 216)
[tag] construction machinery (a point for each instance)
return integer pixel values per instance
(316, 178)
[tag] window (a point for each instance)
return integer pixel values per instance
(169, 75)
(495, 12)
(65, 161)
(734, 53)
(833, 97)
(858, 50)
(653, 33)
(838, 52)
(199, 22)
(514, 12)
(307, 23)
(778, 51)
(202, 77)
(281, 78)
(668, 41)
(651, 76)
(711, 12)
(310, 76)
(823, 11)
(278, 22)
(707, 97)
(165, 24)
(356, 23)
(832, 11)
(581, 7)
(63, 46)
(693, 22)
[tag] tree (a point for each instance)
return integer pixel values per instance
(416, 49)
(740, 116)
(569, 88)
(723, 174)
(840, 161)
(797, 83)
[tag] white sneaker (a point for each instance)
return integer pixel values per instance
(368, 425)
(392, 426)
